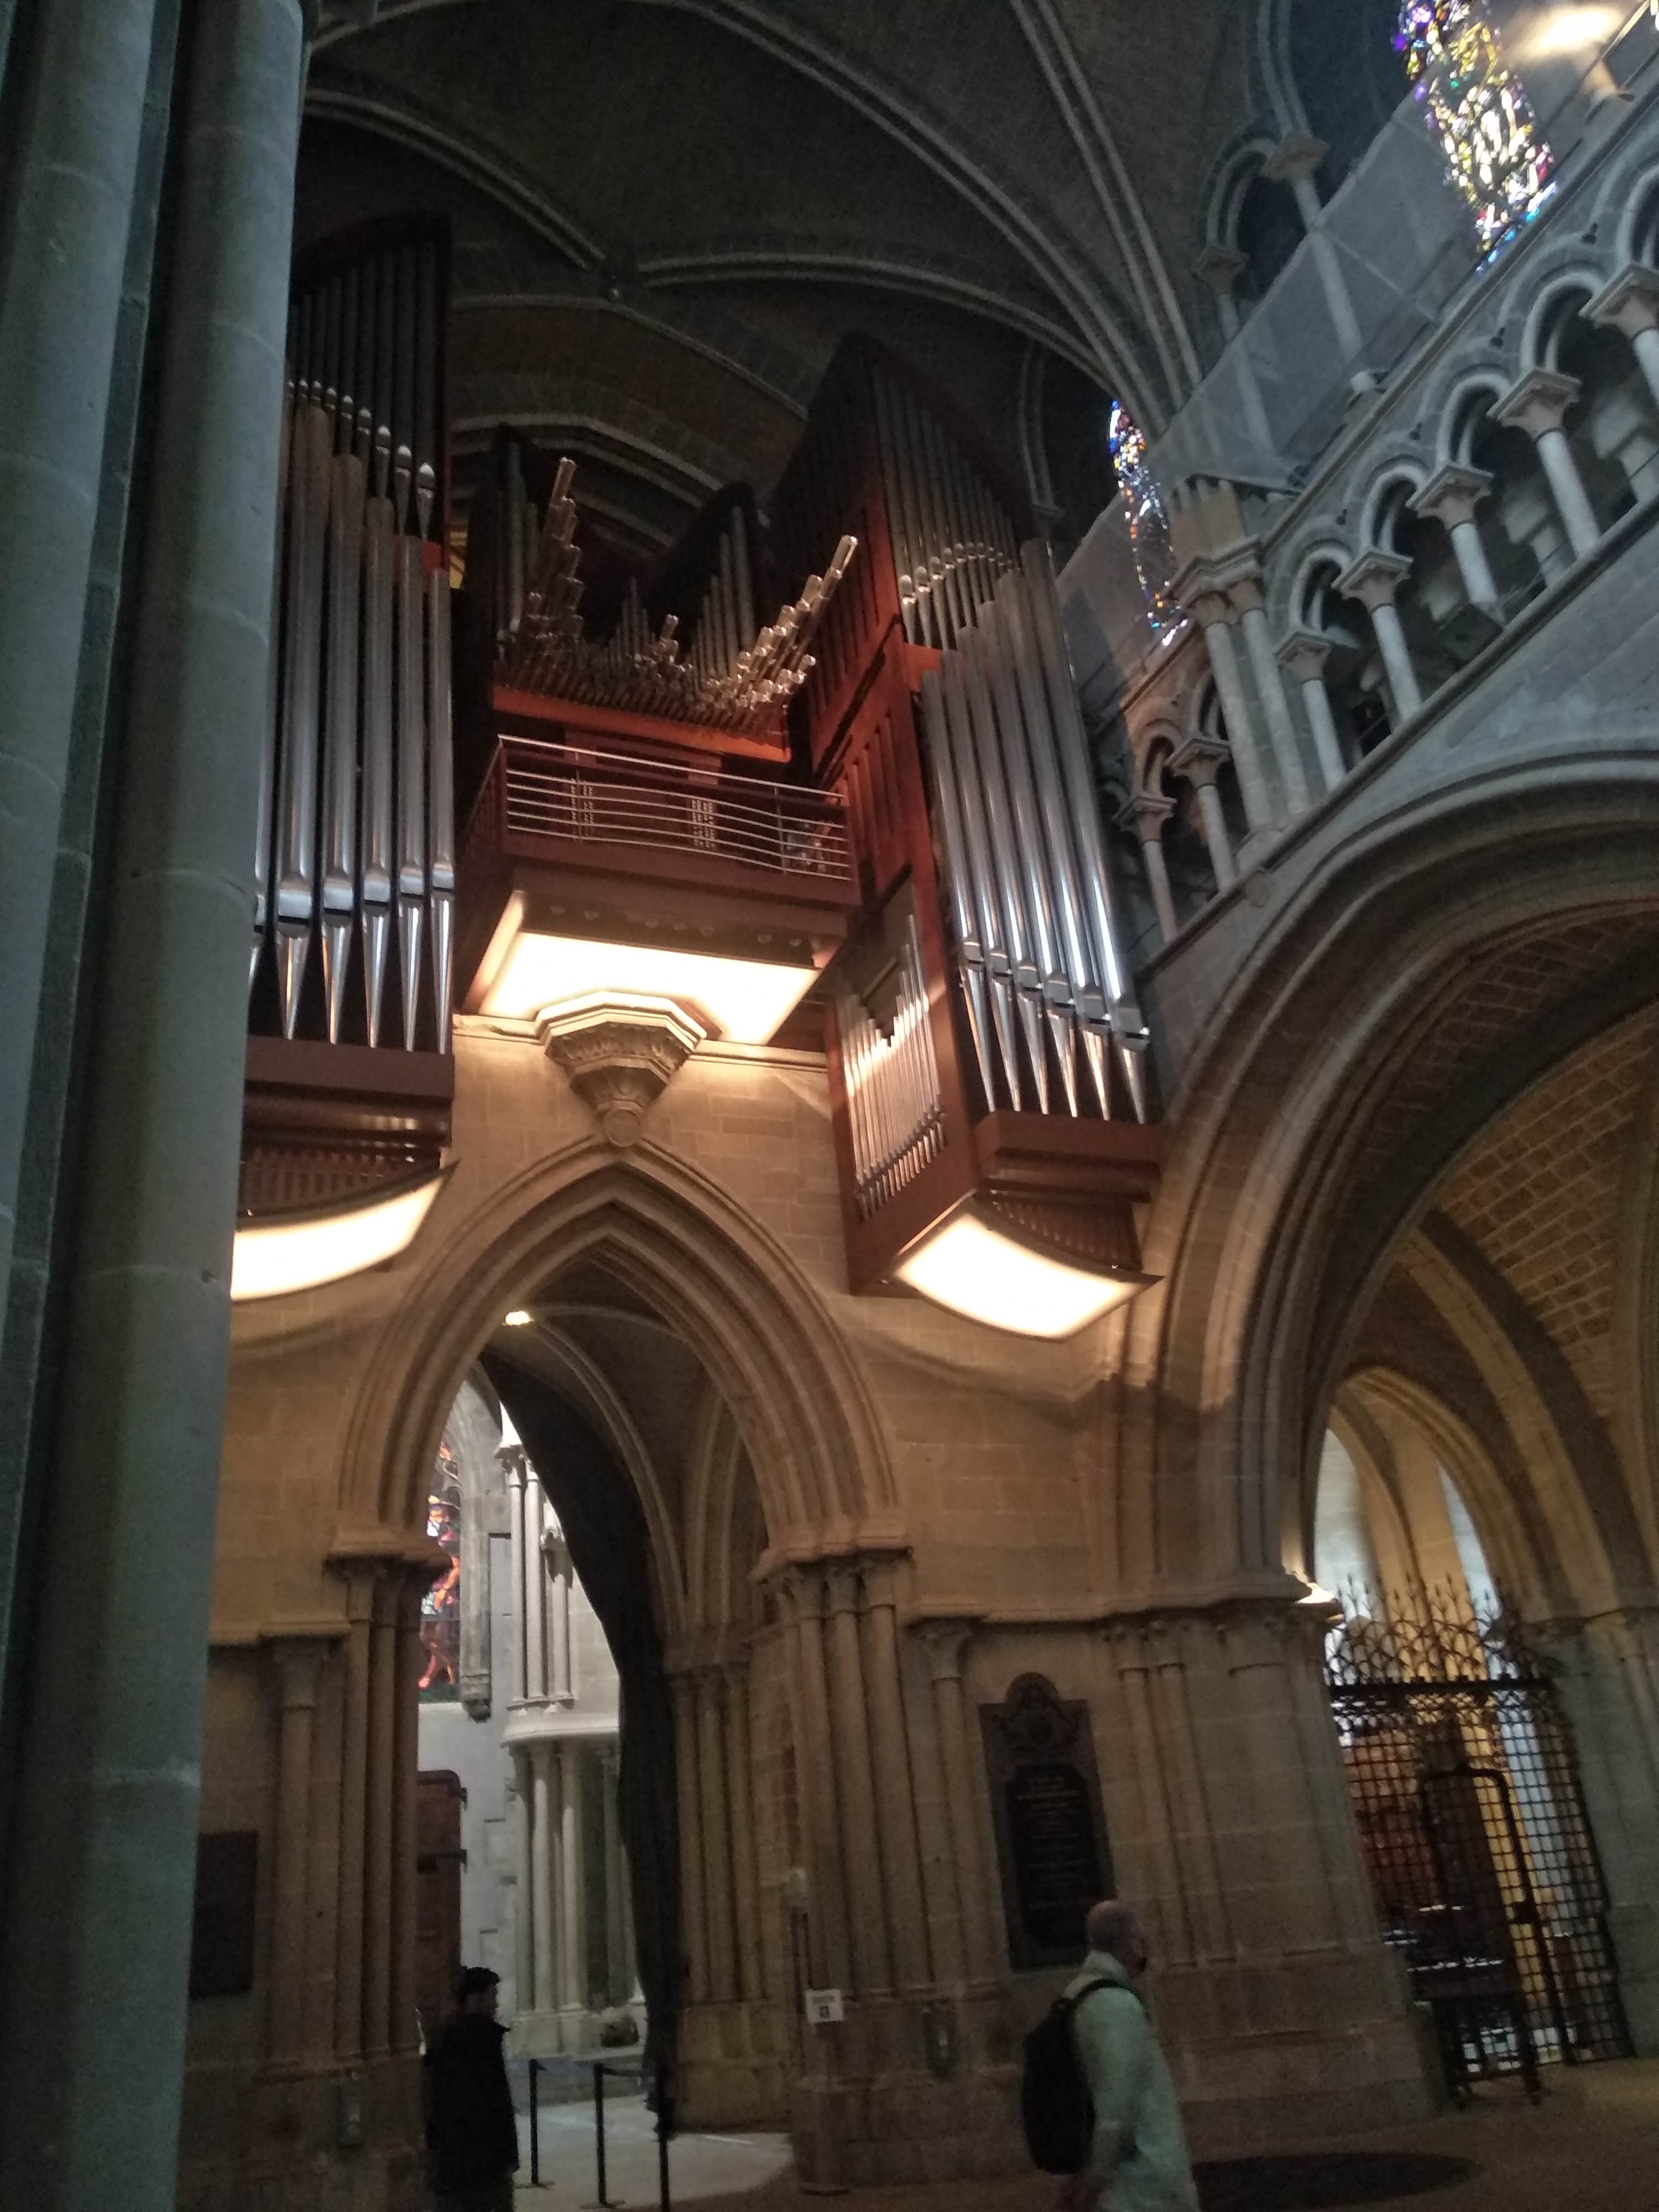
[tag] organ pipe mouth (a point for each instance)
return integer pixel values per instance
(977, 1263)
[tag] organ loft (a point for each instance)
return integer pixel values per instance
(826, 935)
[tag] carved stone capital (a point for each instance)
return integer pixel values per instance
(619, 1053)
(1538, 402)
(1298, 156)
(1220, 267)
(1452, 493)
(1304, 653)
(1375, 578)
(1199, 760)
(946, 1642)
(1631, 303)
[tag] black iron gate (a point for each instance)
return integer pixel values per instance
(1471, 1822)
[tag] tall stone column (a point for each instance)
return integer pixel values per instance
(535, 1589)
(297, 1662)
(618, 1966)
(1450, 497)
(1629, 305)
(381, 1827)
(1295, 161)
(694, 1895)
(946, 1642)
(360, 1578)
(544, 1906)
(1373, 580)
(830, 1955)
(512, 1460)
(1538, 404)
(1303, 656)
(63, 237)
(1199, 762)
(1609, 1687)
(413, 1583)
(573, 1884)
(1270, 689)
(101, 1872)
(560, 1669)
(895, 1792)
(1212, 611)
(1146, 814)
(524, 1912)
(720, 1918)
(872, 1959)
(740, 1799)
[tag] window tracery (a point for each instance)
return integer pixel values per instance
(440, 1608)
(1149, 525)
(1477, 108)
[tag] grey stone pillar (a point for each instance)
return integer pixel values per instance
(64, 219)
(1538, 404)
(98, 1902)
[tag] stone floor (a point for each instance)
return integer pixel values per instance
(1592, 2145)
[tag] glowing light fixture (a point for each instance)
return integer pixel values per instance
(977, 1264)
(745, 1001)
(273, 1258)
(517, 1319)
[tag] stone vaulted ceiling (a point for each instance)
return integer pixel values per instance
(667, 212)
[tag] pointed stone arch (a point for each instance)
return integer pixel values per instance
(1274, 1223)
(763, 1335)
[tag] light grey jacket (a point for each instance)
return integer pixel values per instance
(1138, 2155)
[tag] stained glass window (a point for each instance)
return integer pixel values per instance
(1477, 108)
(440, 1608)
(1149, 526)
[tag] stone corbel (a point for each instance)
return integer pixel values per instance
(619, 1053)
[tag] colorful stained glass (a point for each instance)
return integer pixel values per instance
(1149, 526)
(440, 1608)
(1478, 109)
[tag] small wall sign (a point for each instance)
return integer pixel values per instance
(824, 2008)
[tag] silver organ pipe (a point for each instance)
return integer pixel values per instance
(1025, 856)
(896, 1112)
(345, 548)
(411, 779)
(981, 875)
(1128, 1031)
(951, 541)
(357, 790)
(970, 953)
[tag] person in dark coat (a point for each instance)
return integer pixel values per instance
(471, 2137)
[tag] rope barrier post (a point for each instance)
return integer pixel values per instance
(598, 2124)
(665, 2129)
(535, 2128)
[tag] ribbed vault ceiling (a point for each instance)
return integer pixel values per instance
(667, 212)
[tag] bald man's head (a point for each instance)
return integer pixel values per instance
(1112, 1926)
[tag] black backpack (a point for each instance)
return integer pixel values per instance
(1054, 2103)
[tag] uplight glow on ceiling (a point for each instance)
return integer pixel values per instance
(273, 1258)
(745, 1001)
(973, 1267)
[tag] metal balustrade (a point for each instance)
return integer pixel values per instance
(537, 788)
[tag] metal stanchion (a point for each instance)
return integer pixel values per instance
(665, 2129)
(598, 2124)
(535, 2128)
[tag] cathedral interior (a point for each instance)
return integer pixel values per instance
(829, 1105)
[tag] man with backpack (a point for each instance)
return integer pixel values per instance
(1099, 2104)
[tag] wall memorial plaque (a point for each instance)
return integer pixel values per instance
(1051, 1835)
(221, 1932)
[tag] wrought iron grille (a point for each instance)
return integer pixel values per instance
(1471, 1822)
